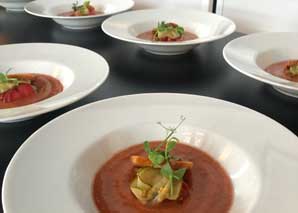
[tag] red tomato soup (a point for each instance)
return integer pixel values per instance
(41, 87)
(282, 70)
(209, 188)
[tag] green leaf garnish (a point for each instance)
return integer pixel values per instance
(156, 158)
(3, 78)
(168, 172)
(178, 174)
(147, 147)
(170, 145)
(161, 158)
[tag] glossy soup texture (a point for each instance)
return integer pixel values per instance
(186, 36)
(210, 188)
(46, 86)
(278, 70)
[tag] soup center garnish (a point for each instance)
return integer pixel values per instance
(284, 69)
(160, 174)
(23, 89)
(85, 9)
(164, 176)
(167, 32)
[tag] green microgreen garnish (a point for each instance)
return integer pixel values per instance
(161, 158)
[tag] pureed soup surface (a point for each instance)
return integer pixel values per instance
(279, 70)
(210, 188)
(46, 86)
(186, 36)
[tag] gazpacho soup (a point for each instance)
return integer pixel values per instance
(163, 176)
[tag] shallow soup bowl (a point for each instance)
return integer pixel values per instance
(54, 8)
(252, 54)
(206, 26)
(54, 170)
(49, 59)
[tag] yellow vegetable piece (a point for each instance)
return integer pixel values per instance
(149, 186)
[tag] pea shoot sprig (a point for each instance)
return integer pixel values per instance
(160, 158)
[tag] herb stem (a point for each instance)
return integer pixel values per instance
(171, 133)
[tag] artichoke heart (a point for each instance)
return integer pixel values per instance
(149, 186)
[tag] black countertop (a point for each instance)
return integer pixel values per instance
(203, 71)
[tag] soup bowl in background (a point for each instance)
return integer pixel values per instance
(53, 8)
(206, 26)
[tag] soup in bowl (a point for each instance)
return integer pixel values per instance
(149, 168)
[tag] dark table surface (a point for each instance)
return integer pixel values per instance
(203, 71)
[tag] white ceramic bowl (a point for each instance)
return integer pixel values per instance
(53, 170)
(14, 5)
(51, 9)
(207, 26)
(251, 54)
(80, 71)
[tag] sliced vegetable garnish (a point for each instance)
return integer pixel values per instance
(160, 166)
(167, 32)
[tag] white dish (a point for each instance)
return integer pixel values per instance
(14, 5)
(251, 54)
(54, 169)
(207, 26)
(51, 9)
(80, 71)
